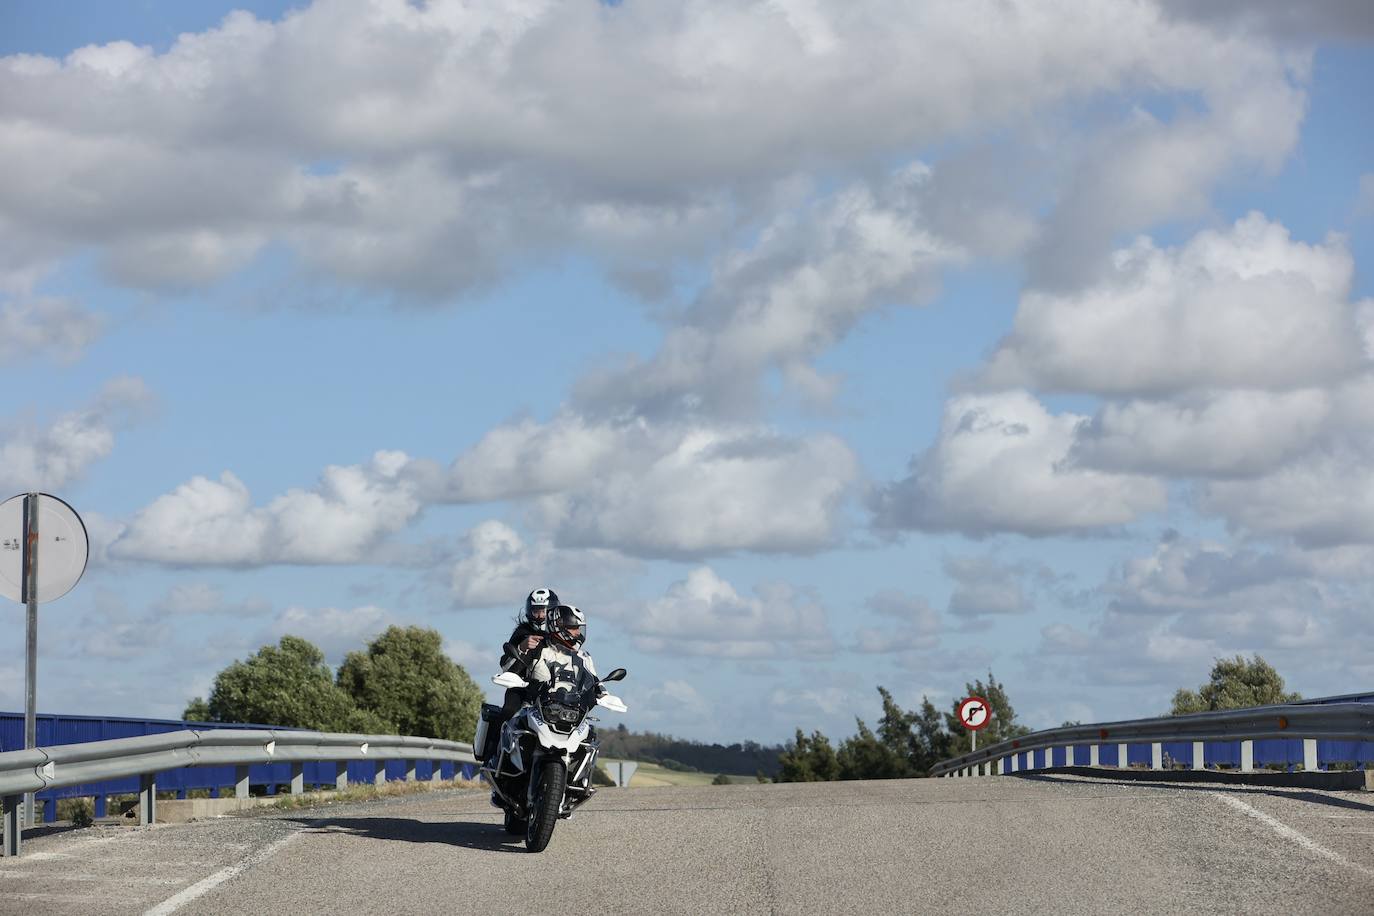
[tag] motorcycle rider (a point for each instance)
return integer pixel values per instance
(567, 631)
(526, 639)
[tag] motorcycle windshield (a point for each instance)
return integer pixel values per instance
(572, 685)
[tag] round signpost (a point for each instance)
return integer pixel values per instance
(974, 714)
(36, 526)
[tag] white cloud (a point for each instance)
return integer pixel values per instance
(50, 458)
(704, 615)
(1338, 20)
(1242, 308)
(336, 631)
(31, 326)
(1227, 433)
(717, 490)
(445, 129)
(214, 523)
(1001, 463)
(802, 287)
(497, 567)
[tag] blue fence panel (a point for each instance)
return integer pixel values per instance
(1138, 754)
(1179, 752)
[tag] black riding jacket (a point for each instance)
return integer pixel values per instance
(520, 663)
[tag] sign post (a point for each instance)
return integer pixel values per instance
(975, 714)
(34, 524)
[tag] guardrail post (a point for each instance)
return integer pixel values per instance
(378, 772)
(1094, 755)
(1015, 762)
(14, 828)
(436, 772)
(1309, 753)
(1199, 757)
(1068, 755)
(1247, 756)
(297, 777)
(241, 782)
(1001, 766)
(412, 771)
(147, 799)
(1156, 756)
(340, 775)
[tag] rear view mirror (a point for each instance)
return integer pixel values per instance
(616, 675)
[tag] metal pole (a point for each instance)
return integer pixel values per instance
(29, 589)
(975, 741)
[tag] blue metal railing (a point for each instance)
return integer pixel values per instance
(59, 729)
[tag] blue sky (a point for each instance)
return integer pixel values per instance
(808, 347)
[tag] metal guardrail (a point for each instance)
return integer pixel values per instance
(94, 761)
(1308, 723)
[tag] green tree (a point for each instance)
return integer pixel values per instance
(869, 756)
(288, 685)
(1235, 684)
(405, 680)
(1002, 723)
(808, 759)
(196, 711)
(721, 780)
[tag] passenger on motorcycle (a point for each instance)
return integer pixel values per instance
(526, 639)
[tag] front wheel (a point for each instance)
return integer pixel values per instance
(548, 798)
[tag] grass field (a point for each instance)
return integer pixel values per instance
(647, 775)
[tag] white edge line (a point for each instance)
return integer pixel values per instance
(205, 885)
(1289, 833)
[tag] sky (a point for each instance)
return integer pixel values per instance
(806, 346)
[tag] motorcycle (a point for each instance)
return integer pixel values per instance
(542, 769)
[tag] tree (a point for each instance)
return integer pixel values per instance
(196, 711)
(867, 756)
(1002, 723)
(808, 759)
(406, 680)
(721, 780)
(1235, 684)
(288, 685)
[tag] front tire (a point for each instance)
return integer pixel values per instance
(548, 798)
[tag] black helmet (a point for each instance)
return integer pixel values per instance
(541, 599)
(563, 620)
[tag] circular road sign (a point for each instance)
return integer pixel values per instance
(975, 713)
(62, 548)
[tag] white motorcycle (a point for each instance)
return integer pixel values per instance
(542, 770)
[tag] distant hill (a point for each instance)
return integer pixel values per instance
(745, 759)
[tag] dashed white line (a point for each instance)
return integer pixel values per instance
(1289, 833)
(205, 885)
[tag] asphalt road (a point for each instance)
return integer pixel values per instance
(1008, 844)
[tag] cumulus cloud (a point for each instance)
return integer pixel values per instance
(343, 519)
(1332, 20)
(1246, 307)
(445, 140)
(51, 457)
(1001, 463)
(780, 304)
(1227, 433)
(336, 631)
(31, 326)
(705, 615)
(496, 566)
(1168, 614)
(716, 490)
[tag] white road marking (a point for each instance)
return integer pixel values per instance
(205, 885)
(1289, 833)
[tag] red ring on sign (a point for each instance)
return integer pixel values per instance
(1283, 721)
(1102, 733)
(986, 719)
